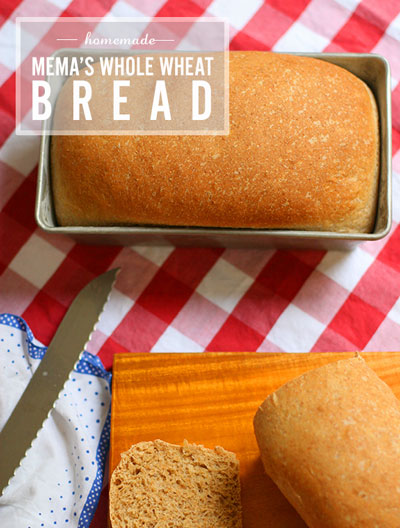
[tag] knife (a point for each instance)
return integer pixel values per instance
(42, 391)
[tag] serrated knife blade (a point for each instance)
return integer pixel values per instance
(42, 391)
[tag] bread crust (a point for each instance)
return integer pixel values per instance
(330, 440)
(302, 153)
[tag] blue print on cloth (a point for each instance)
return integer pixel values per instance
(60, 479)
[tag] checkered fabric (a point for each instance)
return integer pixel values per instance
(169, 299)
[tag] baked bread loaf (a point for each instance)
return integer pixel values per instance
(157, 484)
(330, 440)
(302, 153)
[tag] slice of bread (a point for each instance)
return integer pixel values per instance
(161, 485)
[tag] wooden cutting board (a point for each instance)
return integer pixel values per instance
(211, 399)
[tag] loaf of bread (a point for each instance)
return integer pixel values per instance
(171, 486)
(330, 440)
(302, 153)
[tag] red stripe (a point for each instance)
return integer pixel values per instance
(44, 314)
(242, 41)
(232, 336)
(7, 124)
(310, 257)
(76, 8)
(284, 274)
(13, 236)
(260, 308)
(267, 26)
(331, 341)
(177, 8)
(179, 264)
(67, 281)
(165, 296)
(7, 102)
(139, 330)
(390, 254)
(382, 294)
(107, 351)
(395, 141)
(83, 8)
(366, 26)
(357, 321)
(21, 205)
(378, 12)
(357, 35)
(7, 8)
(396, 107)
(96, 259)
(291, 8)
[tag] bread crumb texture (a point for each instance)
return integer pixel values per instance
(302, 153)
(161, 485)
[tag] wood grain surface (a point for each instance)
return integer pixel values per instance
(211, 399)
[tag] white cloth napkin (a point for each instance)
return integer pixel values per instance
(59, 481)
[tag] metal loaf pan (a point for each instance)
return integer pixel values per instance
(373, 69)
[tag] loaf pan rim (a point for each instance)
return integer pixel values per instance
(242, 233)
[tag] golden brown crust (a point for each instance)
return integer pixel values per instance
(330, 440)
(302, 153)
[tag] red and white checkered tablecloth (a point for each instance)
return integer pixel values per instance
(169, 299)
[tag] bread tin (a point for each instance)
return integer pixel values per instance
(372, 69)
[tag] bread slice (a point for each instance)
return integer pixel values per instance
(162, 485)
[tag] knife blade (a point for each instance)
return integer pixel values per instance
(42, 391)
